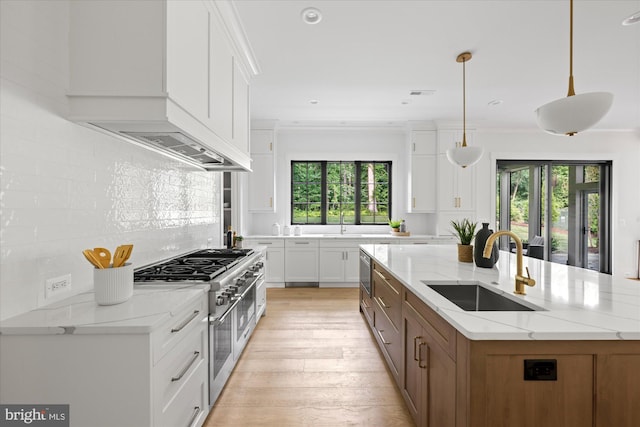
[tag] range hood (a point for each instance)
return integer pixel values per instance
(179, 145)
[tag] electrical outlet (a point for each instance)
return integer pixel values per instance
(56, 286)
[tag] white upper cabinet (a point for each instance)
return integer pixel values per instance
(262, 179)
(262, 142)
(157, 67)
(455, 184)
(422, 189)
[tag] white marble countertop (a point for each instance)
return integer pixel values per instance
(149, 307)
(356, 236)
(578, 304)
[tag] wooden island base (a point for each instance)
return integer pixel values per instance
(449, 380)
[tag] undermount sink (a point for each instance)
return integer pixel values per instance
(478, 297)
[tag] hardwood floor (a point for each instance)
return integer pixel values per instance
(310, 362)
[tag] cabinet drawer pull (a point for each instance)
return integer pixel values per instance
(382, 303)
(186, 322)
(384, 341)
(420, 356)
(416, 356)
(196, 355)
(381, 276)
(194, 417)
(270, 202)
(265, 243)
(414, 202)
(301, 243)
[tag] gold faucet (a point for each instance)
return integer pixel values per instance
(520, 279)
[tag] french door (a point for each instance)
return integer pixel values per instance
(564, 203)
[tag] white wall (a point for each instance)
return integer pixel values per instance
(64, 188)
(340, 144)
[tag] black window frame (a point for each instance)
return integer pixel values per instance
(358, 183)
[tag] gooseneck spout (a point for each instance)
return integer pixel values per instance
(520, 279)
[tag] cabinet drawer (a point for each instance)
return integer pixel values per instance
(390, 340)
(443, 333)
(269, 243)
(366, 304)
(190, 406)
(386, 293)
(179, 326)
(175, 369)
(341, 243)
(301, 243)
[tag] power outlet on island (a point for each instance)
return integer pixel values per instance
(56, 286)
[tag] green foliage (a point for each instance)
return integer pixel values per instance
(465, 230)
(394, 223)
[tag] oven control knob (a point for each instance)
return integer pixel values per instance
(260, 265)
(220, 300)
(248, 274)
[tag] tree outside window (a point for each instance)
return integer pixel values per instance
(334, 192)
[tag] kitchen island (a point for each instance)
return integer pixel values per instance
(572, 361)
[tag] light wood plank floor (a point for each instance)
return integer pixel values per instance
(310, 362)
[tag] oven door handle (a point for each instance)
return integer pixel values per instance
(252, 285)
(220, 320)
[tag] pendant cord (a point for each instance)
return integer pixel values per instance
(571, 91)
(464, 105)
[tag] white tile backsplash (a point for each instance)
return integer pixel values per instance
(64, 188)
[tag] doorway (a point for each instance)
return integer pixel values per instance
(563, 206)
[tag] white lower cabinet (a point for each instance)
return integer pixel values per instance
(123, 379)
(339, 261)
(301, 263)
(274, 257)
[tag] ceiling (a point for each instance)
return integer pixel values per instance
(362, 60)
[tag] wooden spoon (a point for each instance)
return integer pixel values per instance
(103, 256)
(88, 254)
(121, 255)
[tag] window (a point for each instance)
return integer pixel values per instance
(567, 203)
(327, 192)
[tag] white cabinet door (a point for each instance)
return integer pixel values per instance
(455, 184)
(262, 184)
(301, 261)
(188, 68)
(332, 264)
(423, 142)
(423, 184)
(274, 268)
(262, 142)
(240, 109)
(221, 86)
(352, 265)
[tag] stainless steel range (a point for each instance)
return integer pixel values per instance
(233, 275)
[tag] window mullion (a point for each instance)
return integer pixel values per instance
(356, 202)
(323, 190)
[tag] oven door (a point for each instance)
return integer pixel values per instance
(245, 317)
(221, 360)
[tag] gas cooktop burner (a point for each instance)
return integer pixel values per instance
(202, 265)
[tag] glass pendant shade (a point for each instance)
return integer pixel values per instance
(464, 156)
(567, 116)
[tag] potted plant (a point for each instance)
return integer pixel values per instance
(395, 225)
(465, 230)
(239, 240)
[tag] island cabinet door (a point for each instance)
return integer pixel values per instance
(555, 396)
(429, 382)
(618, 390)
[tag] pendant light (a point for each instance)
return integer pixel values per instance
(575, 113)
(464, 155)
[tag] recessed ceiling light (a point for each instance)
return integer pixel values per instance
(494, 102)
(311, 15)
(313, 101)
(633, 19)
(405, 102)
